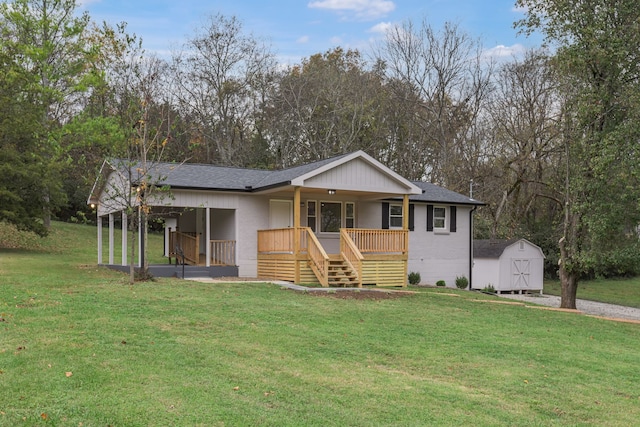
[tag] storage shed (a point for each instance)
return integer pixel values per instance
(508, 265)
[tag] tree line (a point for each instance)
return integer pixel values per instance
(549, 139)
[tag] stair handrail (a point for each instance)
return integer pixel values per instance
(319, 260)
(188, 243)
(351, 255)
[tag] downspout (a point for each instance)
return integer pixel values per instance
(471, 246)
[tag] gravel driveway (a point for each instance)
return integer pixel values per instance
(587, 307)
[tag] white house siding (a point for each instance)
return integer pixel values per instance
(113, 197)
(439, 255)
(252, 215)
(486, 272)
(202, 199)
(436, 256)
(356, 175)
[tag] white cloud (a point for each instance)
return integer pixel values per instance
(362, 9)
(502, 51)
(335, 40)
(303, 40)
(381, 28)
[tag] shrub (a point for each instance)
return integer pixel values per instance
(462, 282)
(414, 278)
(489, 288)
(441, 283)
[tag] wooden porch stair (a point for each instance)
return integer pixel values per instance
(340, 274)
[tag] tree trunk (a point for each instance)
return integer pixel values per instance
(569, 288)
(568, 279)
(132, 262)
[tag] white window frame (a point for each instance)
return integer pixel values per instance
(396, 216)
(444, 218)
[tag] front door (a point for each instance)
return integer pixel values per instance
(280, 213)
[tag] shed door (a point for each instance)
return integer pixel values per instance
(280, 213)
(520, 273)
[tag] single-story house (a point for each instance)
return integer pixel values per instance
(508, 265)
(346, 220)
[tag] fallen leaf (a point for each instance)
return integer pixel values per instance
(526, 381)
(236, 388)
(43, 416)
(68, 374)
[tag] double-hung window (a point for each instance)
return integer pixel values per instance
(439, 218)
(395, 216)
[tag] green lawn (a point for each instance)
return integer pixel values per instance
(614, 291)
(80, 347)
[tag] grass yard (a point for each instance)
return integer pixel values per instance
(614, 291)
(80, 347)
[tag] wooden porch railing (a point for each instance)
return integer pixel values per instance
(351, 254)
(319, 260)
(379, 241)
(278, 252)
(188, 242)
(223, 252)
(281, 240)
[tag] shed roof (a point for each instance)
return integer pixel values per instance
(492, 248)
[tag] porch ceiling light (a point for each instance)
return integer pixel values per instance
(332, 192)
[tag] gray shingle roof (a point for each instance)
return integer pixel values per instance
(432, 193)
(490, 248)
(211, 177)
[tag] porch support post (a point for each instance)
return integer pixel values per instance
(405, 227)
(125, 235)
(207, 237)
(111, 239)
(99, 222)
(296, 231)
(405, 212)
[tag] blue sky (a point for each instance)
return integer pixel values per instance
(300, 28)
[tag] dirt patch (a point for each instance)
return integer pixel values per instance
(360, 294)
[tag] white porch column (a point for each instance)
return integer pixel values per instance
(125, 235)
(111, 239)
(99, 222)
(207, 237)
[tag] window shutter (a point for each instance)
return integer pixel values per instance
(411, 209)
(385, 215)
(452, 219)
(429, 217)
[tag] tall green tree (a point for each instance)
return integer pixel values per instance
(596, 44)
(21, 162)
(46, 40)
